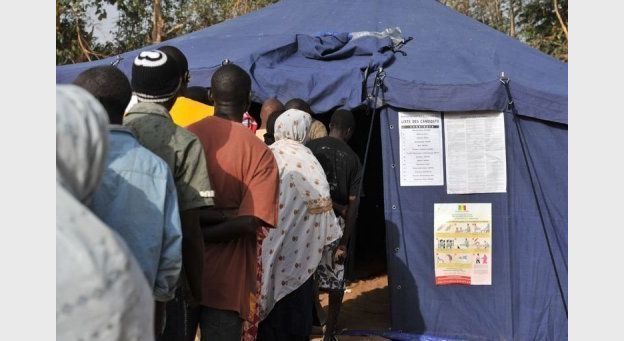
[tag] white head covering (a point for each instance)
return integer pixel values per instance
(306, 221)
(101, 292)
(81, 141)
(294, 125)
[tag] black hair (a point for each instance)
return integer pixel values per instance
(180, 59)
(230, 84)
(269, 136)
(343, 119)
(299, 104)
(110, 86)
(197, 93)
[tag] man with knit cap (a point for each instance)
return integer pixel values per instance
(155, 82)
(187, 109)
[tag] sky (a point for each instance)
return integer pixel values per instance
(102, 29)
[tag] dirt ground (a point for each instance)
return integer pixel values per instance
(366, 305)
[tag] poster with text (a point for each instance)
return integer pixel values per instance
(463, 243)
(420, 147)
(475, 152)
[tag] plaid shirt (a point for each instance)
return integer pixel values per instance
(249, 122)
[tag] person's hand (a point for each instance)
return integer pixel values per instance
(340, 255)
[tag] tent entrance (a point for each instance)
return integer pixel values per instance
(368, 245)
(367, 251)
(366, 304)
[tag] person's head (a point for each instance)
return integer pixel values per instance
(196, 93)
(231, 91)
(342, 124)
(109, 86)
(269, 106)
(181, 61)
(81, 141)
(299, 104)
(269, 136)
(293, 125)
(155, 78)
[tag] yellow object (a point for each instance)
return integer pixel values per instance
(186, 111)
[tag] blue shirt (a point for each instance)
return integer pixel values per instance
(137, 198)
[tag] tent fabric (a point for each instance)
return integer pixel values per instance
(399, 336)
(453, 63)
(451, 57)
(528, 295)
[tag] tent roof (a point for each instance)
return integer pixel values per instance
(453, 62)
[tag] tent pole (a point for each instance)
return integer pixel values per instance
(372, 108)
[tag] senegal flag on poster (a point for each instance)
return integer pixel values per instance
(463, 243)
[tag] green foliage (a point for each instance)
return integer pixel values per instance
(133, 26)
(541, 28)
(534, 21)
(74, 40)
(76, 43)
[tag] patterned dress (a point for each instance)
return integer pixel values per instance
(306, 221)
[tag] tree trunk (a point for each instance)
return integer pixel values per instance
(512, 19)
(498, 15)
(563, 25)
(158, 23)
(58, 17)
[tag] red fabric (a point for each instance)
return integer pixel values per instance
(250, 123)
(250, 329)
(245, 176)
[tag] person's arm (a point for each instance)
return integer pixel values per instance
(170, 260)
(340, 209)
(235, 228)
(351, 216)
(193, 222)
(212, 215)
(192, 251)
(352, 211)
(196, 196)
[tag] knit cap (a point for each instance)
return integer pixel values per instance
(155, 77)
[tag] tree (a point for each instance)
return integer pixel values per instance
(542, 28)
(142, 23)
(74, 41)
(540, 23)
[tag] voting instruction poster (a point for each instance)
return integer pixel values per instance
(463, 243)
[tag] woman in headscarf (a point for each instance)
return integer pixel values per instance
(306, 224)
(101, 292)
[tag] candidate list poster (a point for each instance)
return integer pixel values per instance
(420, 146)
(463, 243)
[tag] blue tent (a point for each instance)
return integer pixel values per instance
(299, 48)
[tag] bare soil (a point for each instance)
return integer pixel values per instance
(366, 305)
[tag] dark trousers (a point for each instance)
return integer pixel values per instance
(291, 317)
(215, 324)
(181, 319)
(219, 325)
